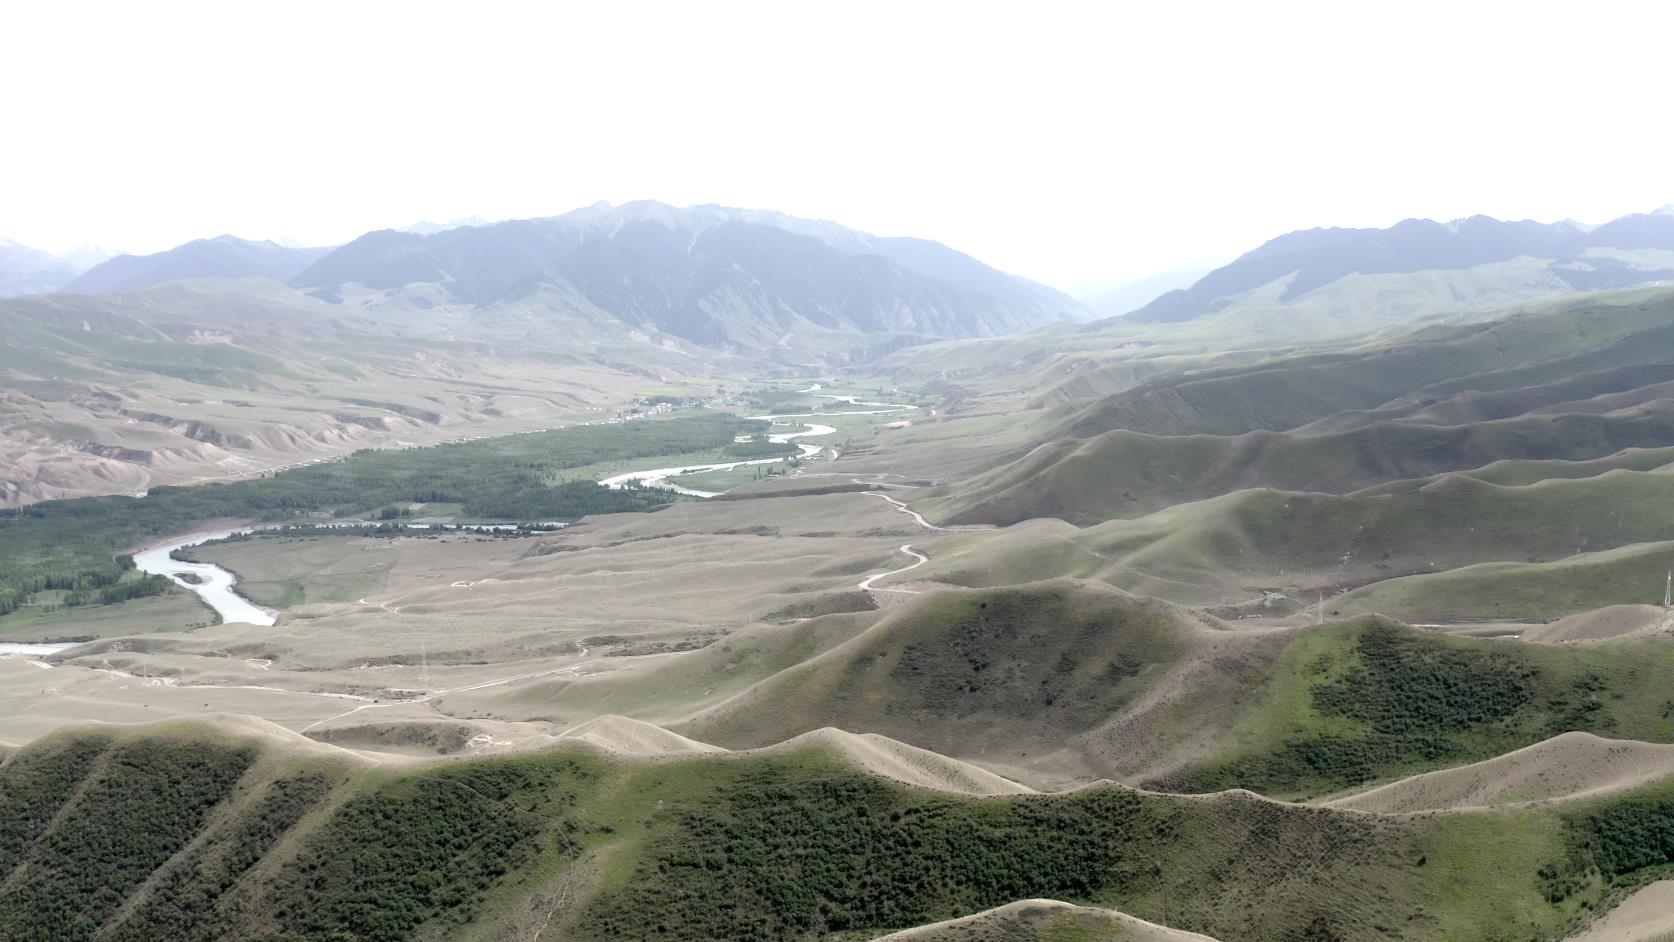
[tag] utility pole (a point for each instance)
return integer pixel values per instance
(1668, 591)
(1319, 610)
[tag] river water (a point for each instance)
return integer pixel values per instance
(215, 585)
(659, 477)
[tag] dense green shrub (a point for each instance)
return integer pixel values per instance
(1615, 843)
(773, 858)
(1414, 698)
(148, 798)
(182, 902)
(423, 850)
(35, 784)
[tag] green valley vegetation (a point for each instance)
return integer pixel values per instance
(73, 545)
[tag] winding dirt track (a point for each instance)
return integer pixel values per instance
(917, 517)
(496, 682)
(919, 559)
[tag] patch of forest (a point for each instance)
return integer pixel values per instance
(1400, 700)
(73, 545)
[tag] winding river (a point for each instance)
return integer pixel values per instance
(659, 477)
(215, 585)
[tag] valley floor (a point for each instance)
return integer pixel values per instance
(964, 675)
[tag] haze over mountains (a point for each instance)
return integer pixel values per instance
(1418, 267)
(24, 270)
(146, 369)
(708, 274)
(224, 256)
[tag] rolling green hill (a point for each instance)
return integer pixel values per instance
(985, 676)
(1536, 348)
(1130, 474)
(1369, 700)
(1226, 551)
(1037, 680)
(1498, 445)
(194, 832)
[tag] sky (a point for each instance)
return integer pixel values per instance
(1076, 144)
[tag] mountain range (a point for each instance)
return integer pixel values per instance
(221, 257)
(25, 270)
(712, 275)
(1420, 266)
(709, 274)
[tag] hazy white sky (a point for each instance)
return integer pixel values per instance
(1072, 143)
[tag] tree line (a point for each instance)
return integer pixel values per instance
(74, 545)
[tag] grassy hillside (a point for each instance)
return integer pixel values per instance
(1227, 551)
(1126, 474)
(1600, 333)
(1345, 705)
(1036, 680)
(190, 833)
(974, 675)
(1537, 591)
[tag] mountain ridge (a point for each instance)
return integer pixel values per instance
(28, 270)
(224, 256)
(1632, 250)
(709, 274)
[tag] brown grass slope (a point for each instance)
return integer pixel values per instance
(1044, 920)
(1612, 621)
(1646, 916)
(868, 752)
(1572, 765)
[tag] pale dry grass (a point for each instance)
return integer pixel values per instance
(1044, 919)
(1573, 765)
(1646, 916)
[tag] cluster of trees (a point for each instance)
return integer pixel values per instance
(1616, 843)
(183, 901)
(91, 817)
(148, 799)
(423, 851)
(759, 447)
(101, 585)
(136, 588)
(777, 859)
(36, 784)
(72, 544)
(1417, 699)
